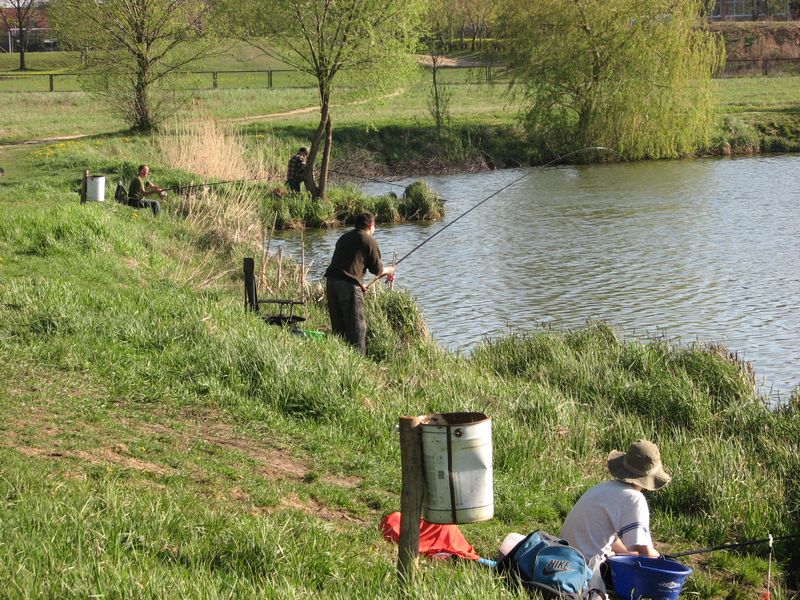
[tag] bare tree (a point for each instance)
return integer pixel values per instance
(18, 14)
(136, 48)
(479, 14)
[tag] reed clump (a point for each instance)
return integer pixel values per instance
(211, 150)
(420, 203)
(395, 323)
(292, 210)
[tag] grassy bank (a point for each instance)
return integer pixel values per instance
(160, 442)
(395, 135)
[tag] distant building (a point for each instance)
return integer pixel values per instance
(750, 10)
(38, 31)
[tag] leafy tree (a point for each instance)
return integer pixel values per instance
(631, 75)
(363, 43)
(137, 46)
(18, 14)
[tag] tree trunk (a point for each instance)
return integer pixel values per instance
(319, 139)
(143, 117)
(326, 158)
(23, 46)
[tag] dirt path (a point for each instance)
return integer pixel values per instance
(231, 120)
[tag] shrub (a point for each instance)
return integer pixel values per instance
(420, 202)
(394, 322)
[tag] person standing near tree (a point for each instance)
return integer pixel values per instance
(297, 169)
(355, 253)
(141, 187)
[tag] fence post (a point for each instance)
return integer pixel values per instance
(269, 79)
(413, 488)
(52, 82)
(84, 186)
(214, 77)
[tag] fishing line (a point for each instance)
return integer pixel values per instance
(769, 539)
(180, 188)
(495, 193)
(383, 181)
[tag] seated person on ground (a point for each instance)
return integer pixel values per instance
(141, 187)
(613, 517)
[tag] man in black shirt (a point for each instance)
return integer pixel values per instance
(141, 187)
(356, 252)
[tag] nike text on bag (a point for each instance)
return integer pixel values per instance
(547, 565)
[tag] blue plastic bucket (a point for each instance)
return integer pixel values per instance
(636, 577)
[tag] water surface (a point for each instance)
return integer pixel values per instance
(701, 250)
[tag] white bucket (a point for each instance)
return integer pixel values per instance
(457, 458)
(96, 188)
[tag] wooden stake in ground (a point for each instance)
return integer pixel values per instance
(303, 264)
(413, 488)
(84, 187)
(280, 268)
(265, 254)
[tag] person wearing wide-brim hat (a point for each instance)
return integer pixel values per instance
(613, 517)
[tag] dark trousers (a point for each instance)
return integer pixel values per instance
(152, 204)
(346, 309)
(294, 184)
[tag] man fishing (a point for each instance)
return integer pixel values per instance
(297, 169)
(355, 253)
(141, 187)
(613, 517)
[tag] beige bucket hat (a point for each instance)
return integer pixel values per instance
(641, 465)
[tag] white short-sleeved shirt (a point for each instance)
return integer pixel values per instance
(607, 511)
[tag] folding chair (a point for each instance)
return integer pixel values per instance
(252, 301)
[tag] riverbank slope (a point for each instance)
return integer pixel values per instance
(158, 440)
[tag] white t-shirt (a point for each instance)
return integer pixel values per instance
(607, 511)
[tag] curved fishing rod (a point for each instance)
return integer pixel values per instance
(493, 194)
(734, 545)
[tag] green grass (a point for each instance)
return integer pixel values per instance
(160, 442)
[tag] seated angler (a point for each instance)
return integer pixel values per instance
(141, 187)
(613, 517)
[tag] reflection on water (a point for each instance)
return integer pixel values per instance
(705, 250)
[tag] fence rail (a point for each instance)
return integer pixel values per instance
(225, 79)
(291, 78)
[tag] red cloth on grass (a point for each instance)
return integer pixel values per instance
(433, 538)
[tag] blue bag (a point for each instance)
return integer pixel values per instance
(550, 566)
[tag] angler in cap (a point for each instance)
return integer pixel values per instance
(355, 253)
(613, 517)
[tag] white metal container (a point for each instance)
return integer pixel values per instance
(96, 188)
(457, 458)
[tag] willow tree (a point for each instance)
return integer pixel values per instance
(362, 47)
(631, 75)
(135, 48)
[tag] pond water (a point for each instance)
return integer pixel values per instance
(700, 250)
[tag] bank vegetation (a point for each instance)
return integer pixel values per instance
(159, 440)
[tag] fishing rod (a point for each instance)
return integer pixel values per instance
(180, 188)
(493, 194)
(735, 545)
(370, 179)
